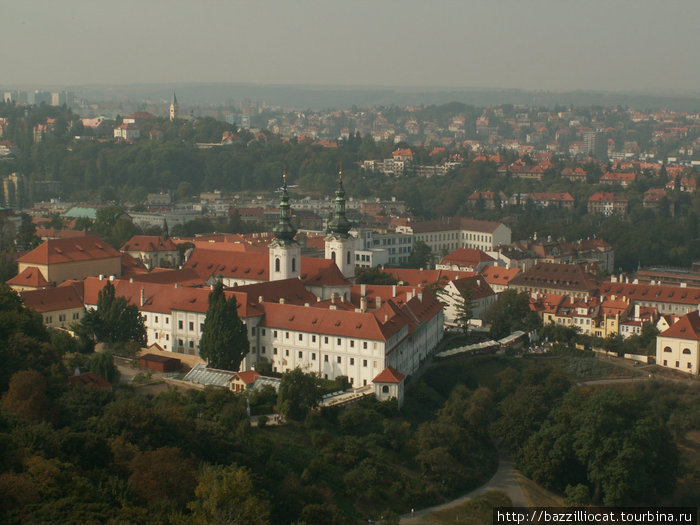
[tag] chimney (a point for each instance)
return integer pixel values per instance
(306, 305)
(318, 299)
(131, 279)
(363, 303)
(420, 296)
(260, 298)
(281, 300)
(378, 302)
(111, 278)
(211, 286)
(393, 290)
(386, 318)
(363, 290)
(478, 283)
(143, 297)
(175, 285)
(342, 298)
(333, 295)
(332, 307)
(101, 277)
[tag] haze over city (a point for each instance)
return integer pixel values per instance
(542, 45)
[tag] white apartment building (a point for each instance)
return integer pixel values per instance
(445, 235)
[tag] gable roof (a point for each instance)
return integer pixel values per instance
(31, 276)
(52, 299)
(58, 251)
(498, 274)
(466, 256)
(687, 327)
(389, 375)
(455, 223)
(571, 277)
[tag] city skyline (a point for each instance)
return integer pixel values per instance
(540, 45)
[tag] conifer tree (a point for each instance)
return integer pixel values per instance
(224, 341)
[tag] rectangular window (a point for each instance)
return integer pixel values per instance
(252, 331)
(263, 331)
(167, 337)
(274, 333)
(313, 338)
(301, 354)
(313, 356)
(201, 327)
(301, 337)
(325, 340)
(364, 345)
(156, 318)
(352, 344)
(191, 344)
(286, 335)
(145, 318)
(179, 325)
(191, 326)
(364, 382)
(274, 351)
(325, 358)
(262, 350)
(364, 363)
(179, 342)
(677, 364)
(338, 359)
(338, 341)
(352, 381)
(352, 360)
(167, 320)
(286, 353)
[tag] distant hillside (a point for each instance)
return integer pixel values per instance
(323, 97)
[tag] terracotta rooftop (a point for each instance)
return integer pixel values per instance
(58, 251)
(31, 276)
(389, 375)
(148, 243)
(687, 327)
(52, 299)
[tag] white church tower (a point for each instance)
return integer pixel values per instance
(340, 245)
(174, 108)
(285, 252)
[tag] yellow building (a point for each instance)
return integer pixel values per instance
(74, 258)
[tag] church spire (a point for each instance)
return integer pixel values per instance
(339, 225)
(285, 230)
(174, 108)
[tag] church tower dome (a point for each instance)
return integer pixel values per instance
(285, 252)
(340, 245)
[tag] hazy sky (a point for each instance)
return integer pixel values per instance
(529, 44)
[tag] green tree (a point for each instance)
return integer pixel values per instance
(114, 321)
(26, 396)
(102, 363)
(298, 393)
(464, 307)
(509, 313)
(373, 276)
(224, 341)
(420, 256)
(228, 496)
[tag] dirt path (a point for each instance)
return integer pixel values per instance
(504, 479)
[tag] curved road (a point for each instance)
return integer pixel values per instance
(504, 479)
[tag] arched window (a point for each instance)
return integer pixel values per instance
(277, 265)
(348, 257)
(686, 351)
(668, 349)
(385, 389)
(333, 255)
(294, 264)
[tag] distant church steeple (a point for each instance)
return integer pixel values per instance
(340, 245)
(174, 108)
(285, 252)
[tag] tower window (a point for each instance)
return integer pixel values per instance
(333, 256)
(294, 264)
(277, 265)
(348, 257)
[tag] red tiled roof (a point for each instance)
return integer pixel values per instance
(477, 285)
(648, 292)
(687, 327)
(499, 275)
(389, 375)
(132, 267)
(57, 251)
(148, 243)
(321, 272)
(455, 223)
(248, 376)
(605, 197)
(52, 299)
(411, 277)
(241, 265)
(466, 256)
(89, 379)
(329, 322)
(31, 276)
(291, 290)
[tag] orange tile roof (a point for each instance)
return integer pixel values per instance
(654, 293)
(389, 375)
(58, 251)
(687, 327)
(499, 275)
(466, 256)
(52, 299)
(248, 377)
(31, 276)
